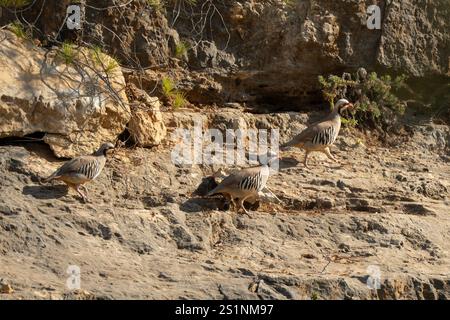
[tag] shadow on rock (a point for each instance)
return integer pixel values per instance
(206, 185)
(216, 203)
(203, 204)
(199, 203)
(46, 192)
(288, 162)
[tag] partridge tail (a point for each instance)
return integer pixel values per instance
(289, 144)
(50, 178)
(284, 147)
(214, 191)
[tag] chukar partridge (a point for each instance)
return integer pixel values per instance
(320, 135)
(82, 169)
(244, 184)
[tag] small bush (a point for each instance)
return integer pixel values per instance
(14, 3)
(111, 65)
(180, 49)
(184, 2)
(174, 97)
(315, 296)
(179, 100)
(374, 97)
(333, 87)
(67, 52)
(168, 87)
(96, 55)
(104, 61)
(290, 3)
(18, 29)
(351, 122)
(155, 4)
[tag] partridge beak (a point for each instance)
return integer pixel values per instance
(274, 159)
(348, 106)
(110, 151)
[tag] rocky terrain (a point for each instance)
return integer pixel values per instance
(147, 231)
(144, 235)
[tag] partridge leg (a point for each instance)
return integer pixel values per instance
(273, 194)
(328, 153)
(82, 194)
(305, 162)
(232, 203)
(238, 205)
(241, 205)
(228, 200)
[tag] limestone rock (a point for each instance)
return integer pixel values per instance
(146, 125)
(5, 287)
(71, 103)
(412, 41)
(295, 43)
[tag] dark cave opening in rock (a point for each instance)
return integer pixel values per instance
(125, 138)
(33, 142)
(35, 138)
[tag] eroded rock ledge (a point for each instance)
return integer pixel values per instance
(75, 105)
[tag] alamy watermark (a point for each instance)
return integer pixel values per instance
(373, 17)
(73, 17)
(374, 279)
(240, 147)
(73, 282)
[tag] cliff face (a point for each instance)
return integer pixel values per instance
(381, 214)
(264, 52)
(73, 106)
(415, 38)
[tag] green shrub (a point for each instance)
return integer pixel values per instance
(351, 122)
(111, 65)
(155, 4)
(374, 97)
(168, 87)
(177, 99)
(14, 3)
(180, 49)
(290, 3)
(67, 52)
(18, 29)
(334, 86)
(158, 4)
(96, 55)
(103, 61)
(315, 296)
